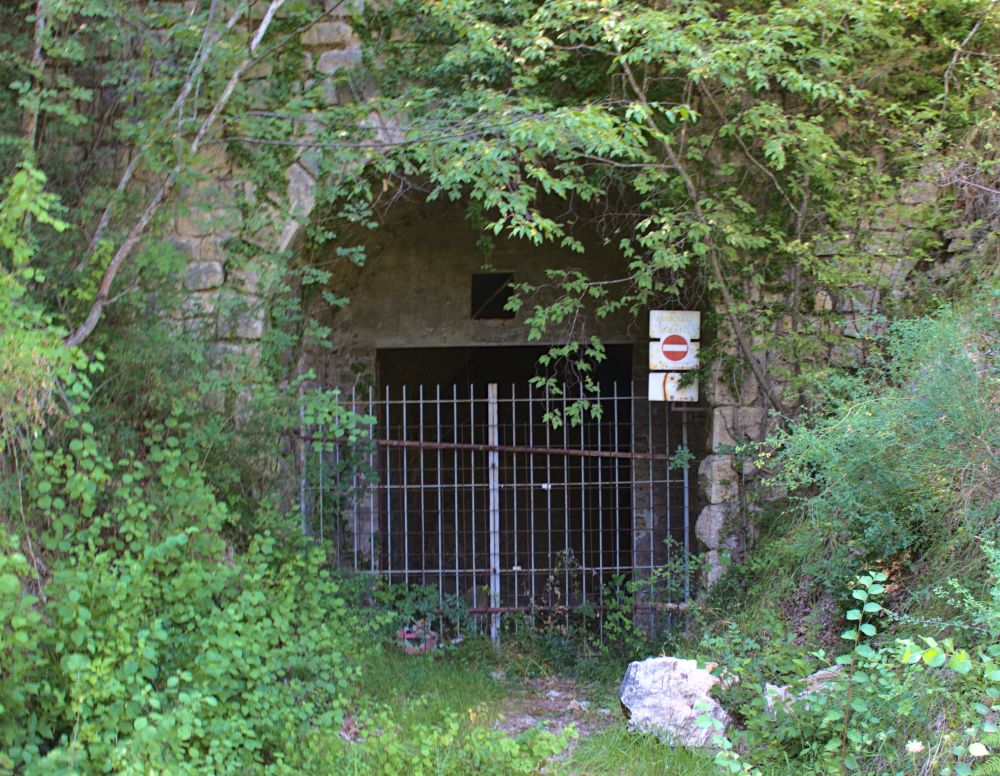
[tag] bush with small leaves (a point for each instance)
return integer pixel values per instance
(163, 647)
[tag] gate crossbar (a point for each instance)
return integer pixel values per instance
(417, 444)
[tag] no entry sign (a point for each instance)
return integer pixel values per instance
(673, 347)
(673, 351)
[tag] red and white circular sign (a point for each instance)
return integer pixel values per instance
(675, 347)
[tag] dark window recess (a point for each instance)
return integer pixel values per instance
(490, 292)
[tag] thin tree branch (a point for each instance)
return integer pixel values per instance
(139, 228)
(713, 258)
(208, 39)
(749, 154)
(958, 53)
(29, 124)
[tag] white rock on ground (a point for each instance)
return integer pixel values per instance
(666, 695)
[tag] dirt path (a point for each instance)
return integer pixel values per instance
(554, 702)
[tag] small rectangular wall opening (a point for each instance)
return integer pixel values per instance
(490, 292)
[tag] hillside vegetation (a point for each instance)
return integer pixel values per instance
(161, 610)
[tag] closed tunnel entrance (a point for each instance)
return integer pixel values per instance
(518, 496)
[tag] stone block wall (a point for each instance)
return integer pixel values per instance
(732, 486)
(227, 301)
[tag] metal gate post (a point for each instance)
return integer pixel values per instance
(494, 513)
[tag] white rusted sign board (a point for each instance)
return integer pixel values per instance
(666, 386)
(673, 347)
(672, 352)
(687, 323)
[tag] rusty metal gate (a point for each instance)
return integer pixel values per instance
(475, 491)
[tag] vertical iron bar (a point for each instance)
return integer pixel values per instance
(405, 495)
(440, 556)
(372, 472)
(420, 463)
(618, 486)
(533, 561)
(322, 444)
(302, 466)
(601, 573)
(550, 570)
(388, 490)
(567, 546)
(583, 503)
(494, 478)
(472, 492)
(687, 514)
(669, 492)
(651, 512)
(354, 490)
(454, 482)
(515, 561)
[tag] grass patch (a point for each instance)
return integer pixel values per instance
(616, 751)
(420, 688)
(427, 714)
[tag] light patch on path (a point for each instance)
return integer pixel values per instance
(555, 703)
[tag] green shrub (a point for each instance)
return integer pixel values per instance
(893, 707)
(19, 658)
(901, 460)
(446, 747)
(163, 647)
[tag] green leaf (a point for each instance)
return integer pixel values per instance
(960, 662)
(934, 657)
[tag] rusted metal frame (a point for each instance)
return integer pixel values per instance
(493, 449)
(556, 486)
(486, 448)
(635, 394)
(485, 569)
(651, 606)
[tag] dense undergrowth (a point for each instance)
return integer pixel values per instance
(884, 560)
